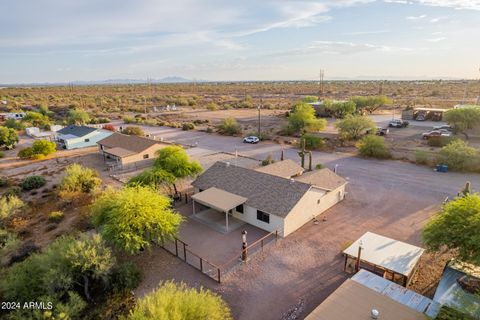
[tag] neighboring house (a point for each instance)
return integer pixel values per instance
(285, 169)
(36, 133)
(122, 149)
(75, 137)
(392, 259)
(368, 296)
(12, 115)
(459, 288)
(270, 202)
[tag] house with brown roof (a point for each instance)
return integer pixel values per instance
(121, 149)
(268, 198)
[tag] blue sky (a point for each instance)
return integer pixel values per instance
(57, 41)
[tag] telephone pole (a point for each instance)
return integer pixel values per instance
(321, 84)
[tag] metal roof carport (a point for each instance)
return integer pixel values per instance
(219, 200)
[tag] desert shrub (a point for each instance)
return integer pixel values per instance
(439, 141)
(79, 179)
(373, 147)
(33, 182)
(4, 182)
(8, 137)
(227, 106)
(2, 154)
(128, 119)
(209, 130)
(353, 127)
(447, 313)
(318, 166)
(302, 119)
(268, 160)
(133, 131)
(172, 301)
(459, 156)
(229, 127)
(14, 124)
(421, 157)
(56, 216)
(9, 205)
(212, 106)
(313, 142)
(38, 150)
(13, 191)
(125, 277)
(188, 126)
(9, 242)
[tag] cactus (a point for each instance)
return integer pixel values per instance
(467, 189)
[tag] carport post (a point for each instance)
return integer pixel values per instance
(193, 205)
(226, 220)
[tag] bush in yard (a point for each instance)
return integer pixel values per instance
(460, 156)
(13, 191)
(302, 119)
(268, 160)
(209, 130)
(9, 242)
(353, 127)
(229, 127)
(439, 141)
(33, 182)
(79, 179)
(187, 126)
(133, 131)
(212, 106)
(373, 147)
(38, 150)
(135, 216)
(125, 276)
(318, 166)
(172, 301)
(421, 157)
(78, 116)
(313, 142)
(4, 182)
(8, 138)
(56, 216)
(14, 124)
(2, 154)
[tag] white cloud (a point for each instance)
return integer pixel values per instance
(436, 39)
(423, 16)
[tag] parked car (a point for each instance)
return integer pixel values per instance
(436, 133)
(398, 123)
(421, 117)
(443, 127)
(251, 139)
(380, 131)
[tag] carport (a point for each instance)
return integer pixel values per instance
(218, 200)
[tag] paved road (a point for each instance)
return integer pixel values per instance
(392, 198)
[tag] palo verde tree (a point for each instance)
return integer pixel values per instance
(135, 216)
(456, 227)
(353, 127)
(78, 116)
(177, 301)
(8, 138)
(302, 119)
(370, 103)
(175, 161)
(463, 119)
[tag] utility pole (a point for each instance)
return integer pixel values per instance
(259, 107)
(321, 84)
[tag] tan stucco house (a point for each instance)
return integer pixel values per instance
(267, 198)
(124, 149)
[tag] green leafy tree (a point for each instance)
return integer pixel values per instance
(302, 119)
(14, 124)
(172, 301)
(463, 119)
(340, 109)
(8, 138)
(456, 227)
(39, 149)
(78, 116)
(133, 131)
(37, 119)
(153, 178)
(79, 179)
(373, 147)
(309, 99)
(312, 142)
(175, 161)
(353, 127)
(135, 216)
(458, 155)
(229, 126)
(371, 103)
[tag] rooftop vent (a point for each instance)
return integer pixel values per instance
(227, 164)
(375, 314)
(292, 181)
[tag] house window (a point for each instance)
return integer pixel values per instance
(87, 140)
(145, 156)
(239, 208)
(262, 216)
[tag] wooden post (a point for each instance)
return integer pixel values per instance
(357, 264)
(201, 264)
(176, 247)
(218, 271)
(262, 244)
(226, 221)
(185, 251)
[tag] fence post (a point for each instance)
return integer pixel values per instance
(185, 251)
(276, 236)
(262, 244)
(176, 247)
(218, 271)
(201, 264)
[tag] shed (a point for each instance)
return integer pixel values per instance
(394, 260)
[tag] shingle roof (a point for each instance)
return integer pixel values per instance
(265, 192)
(131, 143)
(77, 131)
(323, 178)
(285, 169)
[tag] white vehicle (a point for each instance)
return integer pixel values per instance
(251, 139)
(443, 127)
